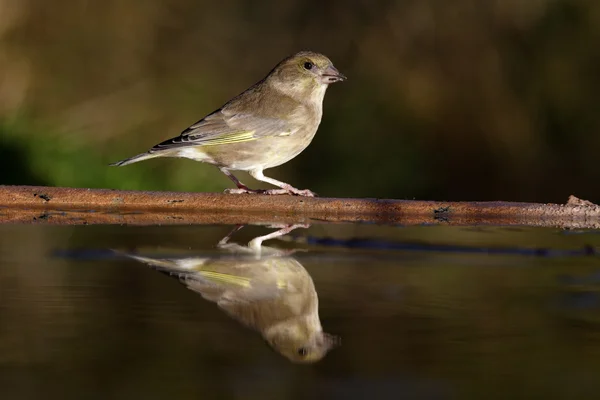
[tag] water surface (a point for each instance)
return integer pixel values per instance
(435, 312)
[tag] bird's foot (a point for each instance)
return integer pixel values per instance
(273, 192)
(242, 191)
(287, 226)
(290, 190)
(256, 243)
(304, 192)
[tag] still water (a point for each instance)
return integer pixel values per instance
(343, 311)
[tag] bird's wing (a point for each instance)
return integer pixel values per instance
(221, 278)
(226, 127)
(229, 289)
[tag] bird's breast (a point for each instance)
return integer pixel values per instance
(267, 152)
(271, 150)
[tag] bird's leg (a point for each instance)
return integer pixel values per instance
(241, 187)
(233, 247)
(256, 243)
(285, 188)
(223, 242)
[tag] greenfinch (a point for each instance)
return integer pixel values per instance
(268, 291)
(265, 126)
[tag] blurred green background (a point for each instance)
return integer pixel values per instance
(456, 100)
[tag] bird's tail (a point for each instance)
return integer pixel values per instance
(179, 267)
(134, 159)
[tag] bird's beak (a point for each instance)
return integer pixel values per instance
(331, 341)
(331, 75)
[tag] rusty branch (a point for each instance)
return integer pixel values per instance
(52, 205)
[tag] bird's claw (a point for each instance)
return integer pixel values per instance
(305, 193)
(273, 192)
(241, 191)
(292, 190)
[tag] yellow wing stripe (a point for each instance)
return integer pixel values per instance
(281, 284)
(235, 137)
(226, 278)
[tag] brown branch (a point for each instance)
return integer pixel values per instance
(30, 204)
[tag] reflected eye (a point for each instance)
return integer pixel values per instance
(302, 351)
(308, 65)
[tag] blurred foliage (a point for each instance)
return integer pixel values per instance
(461, 100)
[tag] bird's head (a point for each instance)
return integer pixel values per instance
(305, 74)
(301, 341)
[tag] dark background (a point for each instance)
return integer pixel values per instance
(460, 100)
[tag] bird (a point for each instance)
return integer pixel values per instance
(268, 291)
(263, 127)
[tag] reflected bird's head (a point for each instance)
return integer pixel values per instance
(302, 341)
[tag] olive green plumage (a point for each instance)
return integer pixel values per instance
(265, 126)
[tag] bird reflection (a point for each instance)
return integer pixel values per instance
(262, 287)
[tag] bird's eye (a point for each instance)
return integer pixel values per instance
(308, 65)
(302, 351)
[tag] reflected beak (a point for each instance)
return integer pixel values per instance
(330, 340)
(331, 75)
